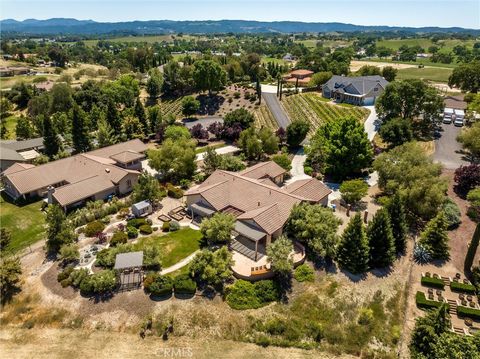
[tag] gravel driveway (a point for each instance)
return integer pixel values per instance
(447, 149)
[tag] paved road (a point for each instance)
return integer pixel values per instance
(277, 111)
(447, 149)
(371, 123)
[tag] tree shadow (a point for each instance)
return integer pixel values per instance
(161, 298)
(354, 277)
(381, 272)
(209, 105)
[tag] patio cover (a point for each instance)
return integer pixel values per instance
(249, 231)
(128, 260)
(201, 209)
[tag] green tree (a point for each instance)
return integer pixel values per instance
(61, 99)
(396, 211)
(174, 159)
(113, 118)
(10, 272)
(316, 227)
(80, 135)
(453, 346)
(147, 188)
(381, 241)
(218, 229)
(353, 190)
(340, 148)
(466, 77)
(320, 78)
(51, 141)
(5, 238)
(406, 169)
(139, 112)
(154, 118)
(58, 231)
(105, 135)
(470, 139)
(296, 132)
(209, 76)
(389, 73)
(435, 237)
(241, 116)
(411, 99)
(396, 131)
(24, 128)
(353, 250)
(279, 256)
(154, 83)
(132, 127)
(190, 106)
(175, 132)
(250, 144)
(212, 268)
(3, 130)
(269, 140)
(283, 161)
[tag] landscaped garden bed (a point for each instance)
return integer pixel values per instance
(463, 287)
(433, 282)
(424, 303)
(468, 312)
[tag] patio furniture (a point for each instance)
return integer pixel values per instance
(439, 292)
(472, 304)
(469, 298)
(464, 303)
(461, 296)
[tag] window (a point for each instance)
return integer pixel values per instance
(375, 89)
(129, 183)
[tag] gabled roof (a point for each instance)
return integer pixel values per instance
(359, 85)
(310, 188)
(263, 169)
(81, 190)
(23, 145)
(17, 167)
(8, 154)
(127, 156)
(128, 260)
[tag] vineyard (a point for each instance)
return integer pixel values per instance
(264, 118)
(171, 107)
(312, 108)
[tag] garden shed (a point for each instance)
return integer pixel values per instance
(143, 208)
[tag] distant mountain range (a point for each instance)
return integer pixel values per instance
(62, 26)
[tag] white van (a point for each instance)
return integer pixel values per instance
(459, 117)
(448, 115)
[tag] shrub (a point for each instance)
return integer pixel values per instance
(173, 191)
(452, 213)
(100, 282)
(77, 276)
(118, 238)
(166, 226)
(267, 291)
(183, 284)
(424, 303)
(433, 282)
(462, 287)
(283, 161)
(66, 282)
(93, 228)
(174, 226)
(64, 274)
(468, 312)
(145, 229)
(158, 285)
(366, 316)
(132, 232)
(308, 170)
(304, 273)
(137, 222)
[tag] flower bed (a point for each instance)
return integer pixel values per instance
(468, 312)
(461, 287)
(433, 282)
(423, 302)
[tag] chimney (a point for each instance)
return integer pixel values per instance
(50, 193)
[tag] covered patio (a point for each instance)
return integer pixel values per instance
(249, 240)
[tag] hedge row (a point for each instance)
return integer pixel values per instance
(468, 312)
(423, 302)
(461, 287)
(433, 282)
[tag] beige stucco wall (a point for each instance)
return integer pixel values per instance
(123, 187)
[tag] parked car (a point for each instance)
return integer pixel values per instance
(458, 122)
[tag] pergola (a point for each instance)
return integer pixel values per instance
(251, 233)
(129, 266)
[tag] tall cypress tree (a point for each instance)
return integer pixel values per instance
(113, 118)
(435, 238)
(380, 240)
(396, 210)
(353, 251)
(139, 112)
(51, 141)
(80, 135)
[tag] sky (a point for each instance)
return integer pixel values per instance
(415, 13)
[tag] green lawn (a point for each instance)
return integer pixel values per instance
(26, 223)
(174, 246)
(274, 60)
(11, 124)
(432, 74)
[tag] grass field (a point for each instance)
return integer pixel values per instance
(174, 246)
(444, 45)
(312, 108)
(11, 125)
(425, 62)
(26, 223)
(432, 74)
(264, 118)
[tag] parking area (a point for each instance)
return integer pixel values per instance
(447, 148)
